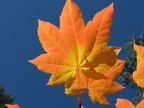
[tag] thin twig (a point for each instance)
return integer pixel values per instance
(84, 94)
(79, 103)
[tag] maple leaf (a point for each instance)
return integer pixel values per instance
(140, 53)
(74, 46)
(138, 76)
(12, 106)
(124, 103)
(96, 88)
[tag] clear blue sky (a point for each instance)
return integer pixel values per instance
(19, 43)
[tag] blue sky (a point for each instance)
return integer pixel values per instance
(19, 43)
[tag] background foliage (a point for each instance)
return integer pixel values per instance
(5, 98)
(130, 66)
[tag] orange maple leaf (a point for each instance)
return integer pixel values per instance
(74, 46)
(12, 106)
(138, 75)
(124, 103)
(96, 88)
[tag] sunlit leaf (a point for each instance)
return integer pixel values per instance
(12, 106)
(74, 46)
(138, 74)
(124, 103)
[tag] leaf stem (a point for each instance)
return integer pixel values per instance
(84, 94)
(79, 100)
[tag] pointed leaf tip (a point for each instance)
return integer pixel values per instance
(112, 4)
